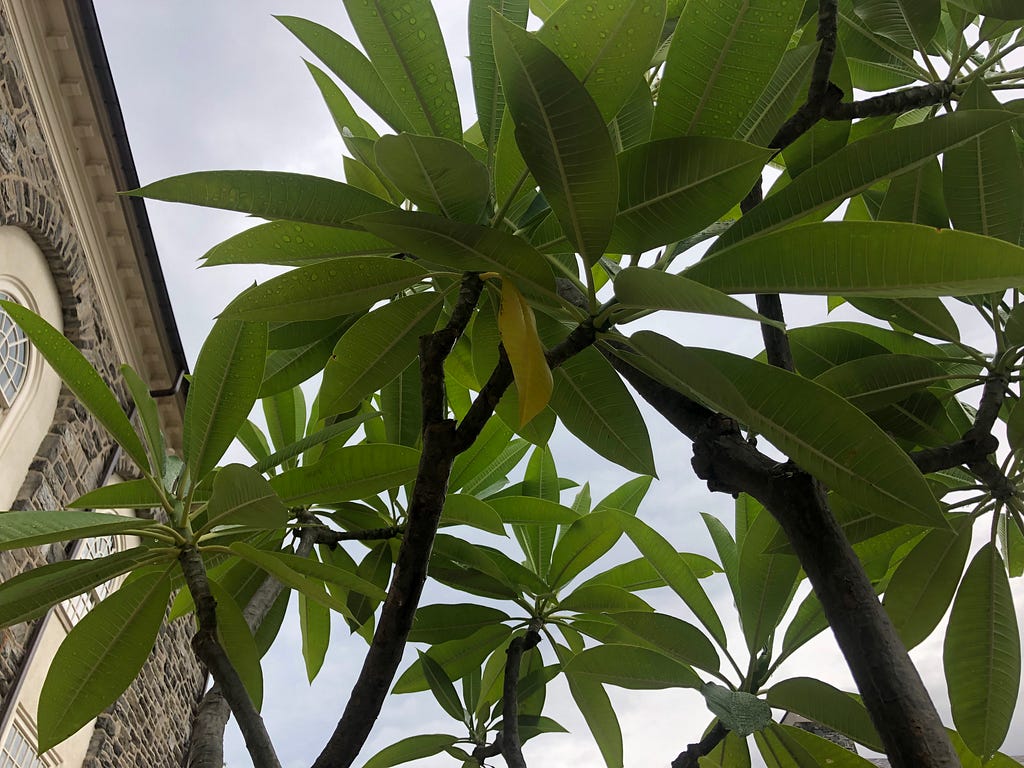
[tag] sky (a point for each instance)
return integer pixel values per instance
(220, 84)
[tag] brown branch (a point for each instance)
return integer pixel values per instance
(827, 35)
(689, 758)
(211, 653)
(332, 538)
(894, 103)
(511, 746)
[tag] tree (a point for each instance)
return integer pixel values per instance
(463, 287)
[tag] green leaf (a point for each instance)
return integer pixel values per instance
(441, 687)
(528, 510)
(827, 705)
(639, 574)
(595, 406)
(101, 656)
(315, 627)
(981, 654)
(146, 409)
(241, 496)
(980, 179)
(629, 666)
(672, 188)
(285, 413)
(436, 624)
(237, 640)
(131, 494)
(766, 582)
(326, 290)
(646, 289)
(376, 349)
(864, 258)
(562, 136)
(268, 194)
(405, 44)
(462, 509)
(437, 175)
(467, 247)
(487, 93)
(998, 9)
(668, 635)
(923, 585)
(581, 545)
(341, 429)
(676, 572)
(352, 472)
(607, 46)
(860, 165)
(30, 528)
(880, 380)
(275, 564)
(294, 244)
(402, 408)
(224, 387)
(721, 58)
(808, 622)
(411, 748)
(346, 119)
(352, 67)
(847, 452)
(80, 377)
(741, 712)
(456, 657)
(30, 594)
(784, 746)
(597, 710)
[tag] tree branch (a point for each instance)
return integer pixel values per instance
(894, 103)
(511, 747)
(691, 755)
(210, 652)
(332, 538)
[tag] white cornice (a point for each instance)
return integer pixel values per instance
(59, 83)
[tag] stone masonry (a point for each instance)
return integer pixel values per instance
(149, 725)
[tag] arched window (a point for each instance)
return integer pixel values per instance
(29, 388)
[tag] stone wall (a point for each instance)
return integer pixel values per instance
(148, 726)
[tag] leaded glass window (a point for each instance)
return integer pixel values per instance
(76, 607)
(17, 751)
(14, 352)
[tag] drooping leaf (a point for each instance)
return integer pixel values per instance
(131, 494)
(293, 244)
(581, 545)
(773, 106)
(456, 657)
(268, 194)
(670, 636)
(860, 165)
(487, 93)
(80, 377)
(346, 119)
(562, 136)
(237, 640)
(376, 349)
(721, 57)
(916, 197)
(441, 687)
(352, 472)
(848, 453)
(146, 409)
(518, 327)
(827, 705)
(437, 175)
(911, 23)
(439, 623)
(879, 380)
(315, 628)
(100, 657)
(863, 258)
(597, 710)
(404, 42)
(981, 654)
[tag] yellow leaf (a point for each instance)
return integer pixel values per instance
(518, 329)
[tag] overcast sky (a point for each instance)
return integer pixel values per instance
(219, 84)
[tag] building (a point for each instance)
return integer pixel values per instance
(84, 258)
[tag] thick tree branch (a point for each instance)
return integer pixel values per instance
(691, 755)
(894, 103)
(331, 538)
(896, 698)
(511, 746)
(828, 36)
(210, 652)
